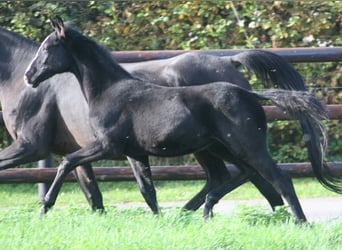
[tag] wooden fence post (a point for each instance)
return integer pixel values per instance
(44, 187)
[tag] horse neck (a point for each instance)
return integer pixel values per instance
(96, 71)
(15, 55)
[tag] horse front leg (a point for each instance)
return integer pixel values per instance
(142, 172)
(92, 152)
(86, 178)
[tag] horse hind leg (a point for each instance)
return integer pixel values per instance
(267, 190)
(264, 187)
(216, 173)
(228, 185)
(142, 172)
(216, 194)
(87, 181)
(282, 183)
(263, 164)
(247, 148)
(254, 155)
(21, 152)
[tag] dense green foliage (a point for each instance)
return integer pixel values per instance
(141, 25)
(138, 25)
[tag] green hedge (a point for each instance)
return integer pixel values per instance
(145, 25)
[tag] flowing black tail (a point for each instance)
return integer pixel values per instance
(270, 68)
(310, 112)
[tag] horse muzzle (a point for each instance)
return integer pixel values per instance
(29, 81)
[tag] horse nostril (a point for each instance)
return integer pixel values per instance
(28, 78)
(28, 75)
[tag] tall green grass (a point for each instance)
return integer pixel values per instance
(76, 228)
(71, 224)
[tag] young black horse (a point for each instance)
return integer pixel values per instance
(138, 119)
(58, 122)
(34, 132)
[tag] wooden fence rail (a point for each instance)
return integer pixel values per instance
(46, 175)
(294, 55)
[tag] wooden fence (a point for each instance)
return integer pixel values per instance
(46, 172)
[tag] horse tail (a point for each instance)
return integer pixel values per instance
(310, 112)
(270, 68)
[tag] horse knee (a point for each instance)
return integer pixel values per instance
(64, 167)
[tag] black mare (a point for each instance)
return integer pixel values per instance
(128, 117)
(58, 122)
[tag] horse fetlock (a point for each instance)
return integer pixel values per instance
(207, 211)
(99, 210)
(44, 209)
(211, 199)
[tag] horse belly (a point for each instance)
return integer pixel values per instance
(173, 137)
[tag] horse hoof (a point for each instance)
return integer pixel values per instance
(302, 222)
(100, 211)
(43, 211)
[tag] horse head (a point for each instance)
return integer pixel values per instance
(51, 58)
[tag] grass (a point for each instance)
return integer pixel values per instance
(74, 228)
(71, 225)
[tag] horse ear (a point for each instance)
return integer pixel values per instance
(53, 23)
(58, 26)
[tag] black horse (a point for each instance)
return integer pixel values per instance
(58, 122)
(195, 69)
(16, 50)
(136, 118)
(37, 122)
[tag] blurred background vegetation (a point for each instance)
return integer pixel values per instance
(147, 25)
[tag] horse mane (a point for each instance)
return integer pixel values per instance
(14, 49)
(12, 36)
(91, 49)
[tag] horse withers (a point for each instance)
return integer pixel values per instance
(128, 116)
